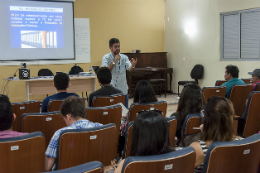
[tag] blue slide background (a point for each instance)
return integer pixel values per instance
(15, 32)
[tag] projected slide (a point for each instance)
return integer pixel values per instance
(36, 27)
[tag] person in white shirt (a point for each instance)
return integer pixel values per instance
(118, 64)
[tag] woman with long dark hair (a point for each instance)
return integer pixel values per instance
(191, 101)
(144, 92)
(150, 136)
(217, 126)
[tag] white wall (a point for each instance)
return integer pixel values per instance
(204, 46)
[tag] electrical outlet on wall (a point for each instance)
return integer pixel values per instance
(183, 59)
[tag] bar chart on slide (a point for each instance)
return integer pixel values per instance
(38, 39)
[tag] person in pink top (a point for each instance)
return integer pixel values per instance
(256, 77)
(7, 117)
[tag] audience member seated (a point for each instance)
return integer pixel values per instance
(61, 83)
(7, 117)
(144, 92)
(73, 112)
(150, 136)
(191, 101)
(231, 75)
(104, 78)
(256, 77)
(217, 127)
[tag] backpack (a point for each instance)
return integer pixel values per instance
(76, 69)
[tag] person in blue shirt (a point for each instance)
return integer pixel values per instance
(231, 75)
(61, 83)
(73, 112)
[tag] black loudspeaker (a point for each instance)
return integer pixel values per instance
(24, 73)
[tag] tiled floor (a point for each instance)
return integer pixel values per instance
(170, 99)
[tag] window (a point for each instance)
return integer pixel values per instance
(240, 35)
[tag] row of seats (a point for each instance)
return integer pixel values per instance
(26, 154)
(113, 114)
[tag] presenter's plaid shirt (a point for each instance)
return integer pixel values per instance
(53, 145)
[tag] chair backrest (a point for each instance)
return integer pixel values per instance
(91, 167)
(172, 121)
(257, 87)
(213, 91)
(137, 107)
(175, 162)
(239, 95)
(48, 123)
(191, 124)
(172, 129)
(24, 107)
(105, 115)
(233, 156)
(128, 139)
(220, 82)
(23, 153)
(92, 144)
(251, 114)
(45, 72)
(99, 101)
(54, 105)
(247, 80)
(197, 72)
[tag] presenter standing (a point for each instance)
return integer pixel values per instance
(118, 64)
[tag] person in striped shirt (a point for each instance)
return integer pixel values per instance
(217, 126)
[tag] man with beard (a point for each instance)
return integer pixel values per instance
(118, 64)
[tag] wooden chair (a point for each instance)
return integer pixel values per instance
(128, 139)
(247, 80)
(181, 161)
(238, 97)
(213, 91)
(233, 156)
(105, 115)
(219, 82)
(257, 87)
(24, 107)
(251, 116)
(100, 101)
(128, 135)
(91, 167)
(78, 146)
(48, 123)
(23, 153)
(172, 129)
(137, 107)
(54, 105)
(191, 124)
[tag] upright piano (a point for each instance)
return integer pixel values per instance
(149, 66)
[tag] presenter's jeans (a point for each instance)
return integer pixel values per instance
(126, 101)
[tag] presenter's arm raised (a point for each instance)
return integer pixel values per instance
(133, 63)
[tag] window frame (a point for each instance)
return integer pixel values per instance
(222, 35)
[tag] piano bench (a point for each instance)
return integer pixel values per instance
(158, 84)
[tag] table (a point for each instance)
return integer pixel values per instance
(41, 86)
